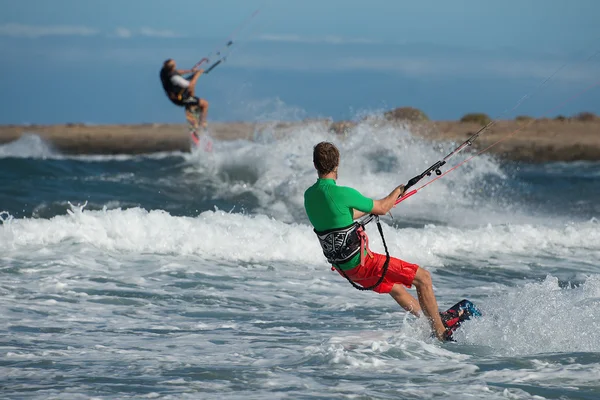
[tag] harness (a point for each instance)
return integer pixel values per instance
(341, 244)
(174, 92)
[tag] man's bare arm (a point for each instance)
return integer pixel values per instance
(185, 71)
(197, 74)
(357, 214)
(383, 206)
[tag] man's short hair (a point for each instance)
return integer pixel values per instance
(326, 157)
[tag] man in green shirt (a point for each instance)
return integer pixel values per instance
(332, 210)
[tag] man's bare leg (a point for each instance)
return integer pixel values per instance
(191, 118)
(203, 112)
(428, 302)
(192, 88)
(405, 300)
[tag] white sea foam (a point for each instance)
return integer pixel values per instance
(540, 318)
(166, 297)
(28, 145)
(374, 160)
(256, 238)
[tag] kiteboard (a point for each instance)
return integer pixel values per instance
(197, 139)
(457, 314)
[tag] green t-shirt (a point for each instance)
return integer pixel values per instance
(329, 206)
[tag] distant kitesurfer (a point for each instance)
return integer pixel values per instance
(181, 91)
(332, 210)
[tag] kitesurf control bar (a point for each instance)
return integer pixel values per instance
(219, 61)
(436, 167)
(213, 66)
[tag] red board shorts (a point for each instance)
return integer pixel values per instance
(398, 271)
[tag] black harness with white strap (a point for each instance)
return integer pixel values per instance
(341, 244)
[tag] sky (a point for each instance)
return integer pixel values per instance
(92, 61)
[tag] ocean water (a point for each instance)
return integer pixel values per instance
(198, 276)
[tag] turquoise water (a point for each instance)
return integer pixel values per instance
(197, 275)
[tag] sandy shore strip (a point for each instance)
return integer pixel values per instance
(533, 141)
